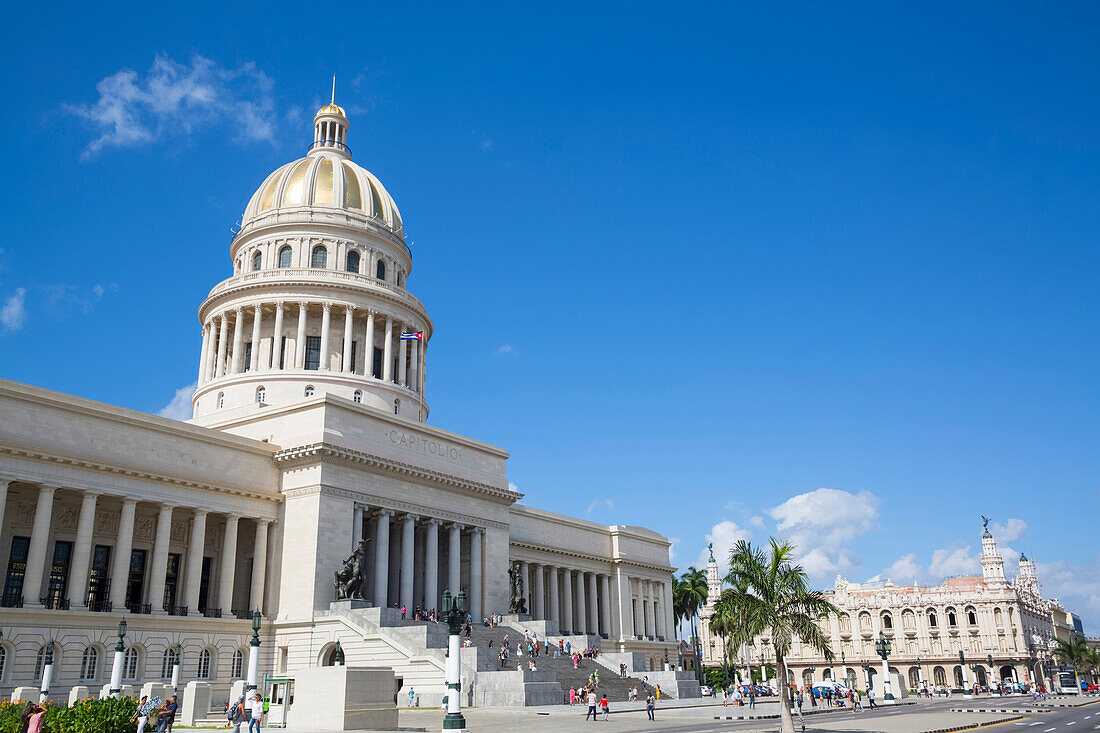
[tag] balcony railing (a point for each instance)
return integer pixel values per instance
(242, 614)
(55, 604)
(212, 613)
(178, 611)
(101, 606)
(325, 274)
(11, 601)
(143, 609)
(336, 144)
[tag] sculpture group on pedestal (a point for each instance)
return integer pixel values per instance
(348, 580)
(518, 601)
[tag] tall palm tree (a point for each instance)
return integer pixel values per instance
(688, 596)
(1075, 653)
(770, 597)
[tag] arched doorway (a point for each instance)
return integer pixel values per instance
(958, 676)
(980, 674)
(871, 673)
(914, 678)
(1007, 673)
(939, 676)
(807, 678)
(827, 675)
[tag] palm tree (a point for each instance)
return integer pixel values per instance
(688, 596)
(1075, 653)
(770, 597)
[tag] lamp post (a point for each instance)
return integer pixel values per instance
(338, 655)
(254, 653)
(454, 614)
(967, 692)
(115, 690)
(177, 659)
(844, 671)
(866, 673)
(920, 674)
(882, 646)
(992, 677)
(811, 668)
(47, 673)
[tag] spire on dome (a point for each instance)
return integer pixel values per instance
(333, 101)
(710, 546)
(330, 126)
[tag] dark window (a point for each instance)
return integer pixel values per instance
(98, 581)
(313, 352)
(282, 351)
(135, 582)
(352, 264)
(380, 271)
(171, 580)
(17, 568)
(284, 257)
(951, 619)
(354, 344)
(971, 618)
(887, 622)
(204, 583)
(376, 364)
(247, 354)
(257, 260)
(931, 619)
(319, 257)
(59, 573)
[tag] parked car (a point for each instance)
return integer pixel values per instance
(707, 690)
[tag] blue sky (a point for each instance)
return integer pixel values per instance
(822, 270)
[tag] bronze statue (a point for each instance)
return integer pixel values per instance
(517, 604)
(985, 521)
(348, 580)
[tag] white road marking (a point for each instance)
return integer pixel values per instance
(1048, 730)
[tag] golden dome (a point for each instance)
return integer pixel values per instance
(331, 109)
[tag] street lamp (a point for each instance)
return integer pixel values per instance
(866, 673)
(47, 673)
(843, 671)
(338, 655)
(115, 690)
(989, 661)
(177, 660)
(882, 647)
(967, 692)
(254, 653)
(454, 614)
(920, 674)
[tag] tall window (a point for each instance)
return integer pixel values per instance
(130, 664)
(59, 573)
(17, 567)
(932, 619)
(238, 665)
(354, 353)
(247, 355)
(319, 258)
(282, 351)
(171, 579)
(135, 582)
(204, 665)
(261, 395)
(39, 663)
(951, 620)
(257, 260)
(221, 400)
(204, 583)
(380, 271)
(284, 256)
(887, 622)
(3, 661)
(400, 279)
(971, 617)
(397, 407)
(166, 665)
(313, 352)
(352, 264)
(98, 580)
(89, 665)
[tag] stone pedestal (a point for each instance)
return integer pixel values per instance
(78, 693)
(348, 604)
(516, 688)
(675, 684)
(343, 698)
(25, 694)
(156, 689)
(125, 691)
(196, 702)
(236, 690)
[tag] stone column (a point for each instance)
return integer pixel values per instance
(257, 320)
(259, 566)
(593, 606)
(554, 614)
(402, 358)
(274, 354)
(300, 339)
(195, 550)
(159, 571)
(414, 360)
(368, 346)
(349, 316)
(223, 336)
(605, 605)
(408, 560)
(82, 549)
(229, 566)
(326, 331)
(475, 575)
(539, 595)
(525, 573)
(382, 558)
(567, 601)
(431, 567)
(454, 559)
(387, 357)
(203, 354)
(580, 623)
(120, 570)
(356, 526)
(36, 553)
(238, 340)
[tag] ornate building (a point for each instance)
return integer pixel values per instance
(1003, 629)
(309, 434)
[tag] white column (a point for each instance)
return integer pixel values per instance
(408, 560)
(82, 549)
(160, 559)
(431, 568)
(223, 336)
(203, 354)
(259, 566)
(238, 339)
(593, 606)
(454, 560)
(356, 525)
(553, 615)
(229, 566)
(382, 558)
(402, 357)
(349, 316)
(257, 319)
(273, 353)
(326, 331)
(387, 360)
(605, 605)
(300, 340)
(539, 602)
(525, 573)
(414, 359)
(368, 347)
(120, 570)
(580, 623)
(194, 561)
(211, 353)
(567, 601)
(475, 574)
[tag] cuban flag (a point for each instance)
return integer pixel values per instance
(417, 336)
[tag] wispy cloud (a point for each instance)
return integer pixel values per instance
(14, 311)
(723, 536)
(63, 299)
(174, 99)
(486, 145)
(598, 504)
(180, 406)
(506, 350)
(820, 522)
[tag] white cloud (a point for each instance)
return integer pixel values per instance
(180, 406)
(723, 536)
(512, 487)
(1075, 585)
(672, 542)
(506, 350)
(176, 99)
(954, 560)
(820, 522)
(906, 570)
(598, 504)
(14, 311)
(1010, 531)
(756, 521)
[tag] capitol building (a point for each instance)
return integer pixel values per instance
(310, 433)
(1003, 630)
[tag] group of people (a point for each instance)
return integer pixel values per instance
(418, 614)
(243, 712)
(162, 716)
(587, 695)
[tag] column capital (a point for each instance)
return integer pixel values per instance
(458, 526)
(200, 512)
(47, 487)
(480, 530)
(262, 521)
(239, 310)
(129, 501)
(349, 308)
(371, 312)
(166, 507)
(434, 520)
(278, 304)
(327, 305)
(303, 304)
(411, 517)
(384, 513)
(232, 518)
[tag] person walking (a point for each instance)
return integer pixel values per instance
(752, 698)
(257, 706)
(871, 700)
(604, 705)
(236, 715)
(141, 714)
(798, 701)
(572, 696)
(591, 706)
(167, 716)
(650, 705)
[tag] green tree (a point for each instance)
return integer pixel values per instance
(688, 596)
(770, 597)
(1075, 653)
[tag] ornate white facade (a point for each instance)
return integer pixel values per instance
(1002, 628)
(309, 433)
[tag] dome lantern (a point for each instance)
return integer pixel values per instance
(330, 127)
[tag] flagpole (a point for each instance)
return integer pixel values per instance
(420, 375)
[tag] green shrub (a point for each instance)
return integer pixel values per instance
(86, 716)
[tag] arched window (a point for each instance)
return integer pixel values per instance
(284, 256)
(257, 260)
(358, 396)
(887, 622)
(319, 258)
(908, 619)
(130, 664)
(952, 620)
(864, 621)
(238, 665)
(380, 271)
(971, 617)
(845, 622)
(39, 663)
(914, 678)
(204, 665)
(397, 407)
(3, 661)
(939, 676)
(352, 264)
(400, 279)
(89, 665)
(261, 394)
(958, 676)
(998, 618)
(309, 390)
(221, 400)
(166, 664)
